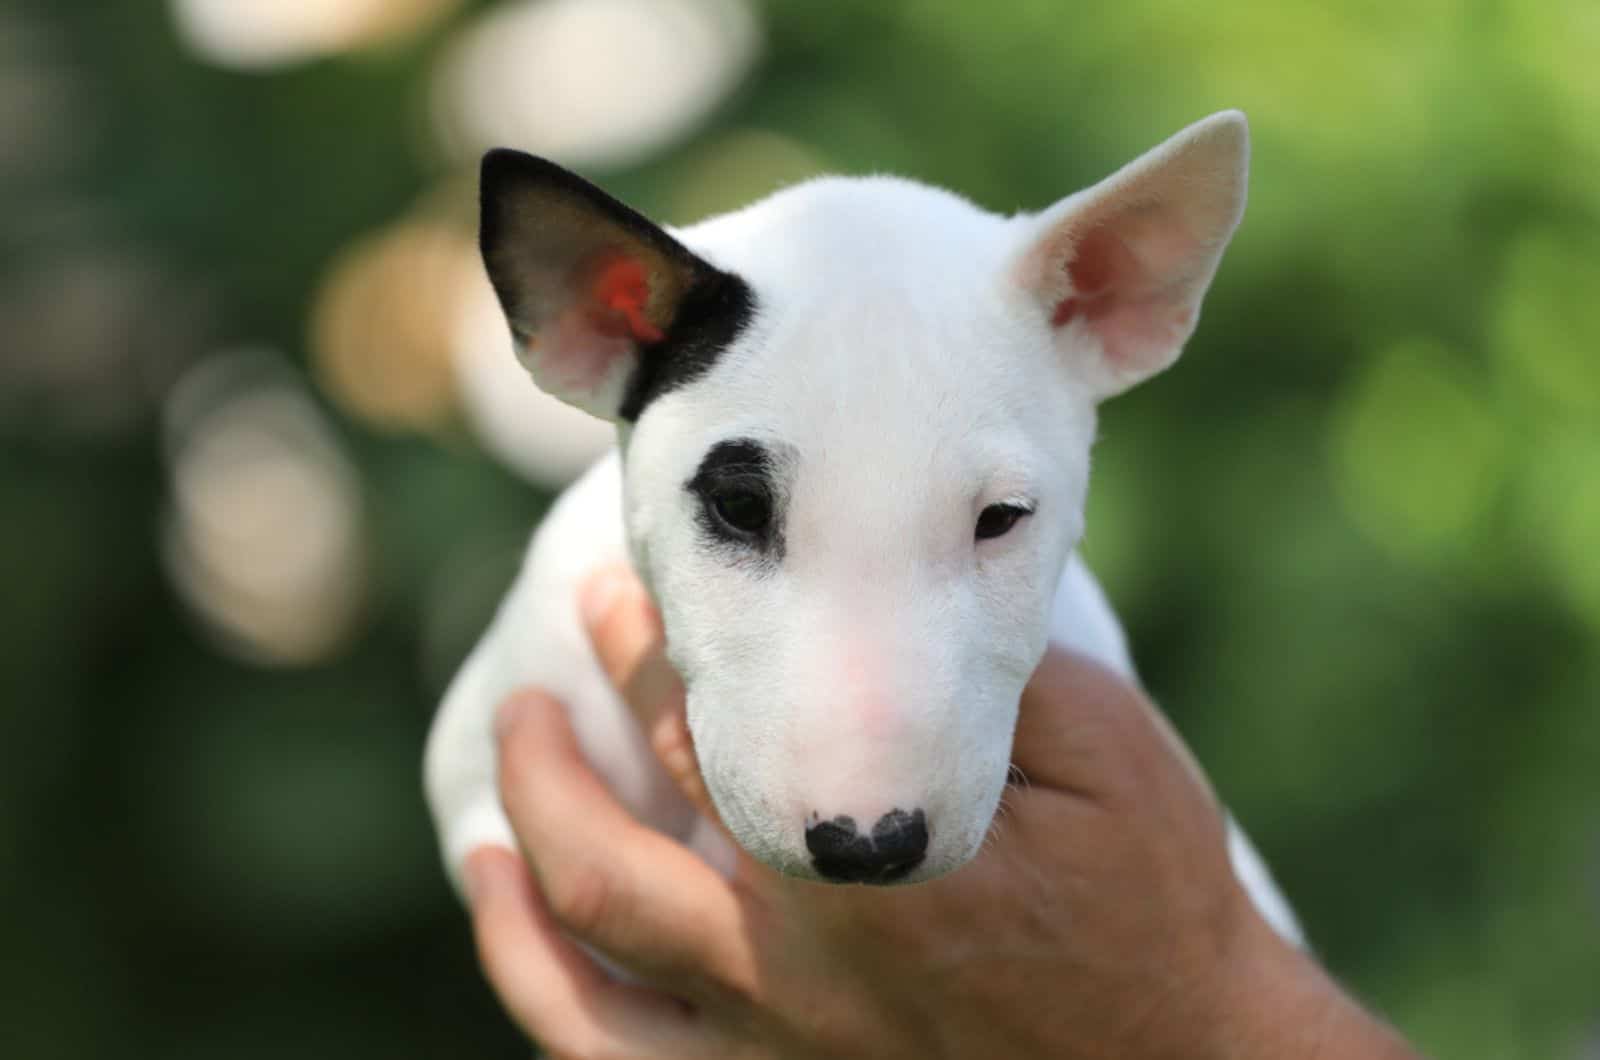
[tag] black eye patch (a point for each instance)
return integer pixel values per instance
(739, 500)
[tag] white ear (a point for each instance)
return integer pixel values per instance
(605, 307)
(1119, 269)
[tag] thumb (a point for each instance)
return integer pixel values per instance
(1084, 729)
(629, 642)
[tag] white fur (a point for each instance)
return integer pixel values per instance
(904, 366)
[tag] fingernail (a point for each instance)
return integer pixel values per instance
(598, 594)
(510, 714)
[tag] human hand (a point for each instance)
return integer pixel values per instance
(1102, 918)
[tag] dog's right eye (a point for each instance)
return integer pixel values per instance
(743, 509)
(997, 519)
(739, 501)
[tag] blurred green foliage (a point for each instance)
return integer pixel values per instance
(1355, 534)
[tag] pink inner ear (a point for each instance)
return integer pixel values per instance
(617, 298)
(582, 350)
(1135, 317)
(1101, 269)
(577, 358)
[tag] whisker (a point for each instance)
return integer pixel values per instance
(997, 824)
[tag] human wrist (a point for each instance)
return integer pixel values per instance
(1275, 1002)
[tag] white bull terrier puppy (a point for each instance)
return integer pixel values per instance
(854, 423)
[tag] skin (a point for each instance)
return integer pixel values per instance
(1102, 918)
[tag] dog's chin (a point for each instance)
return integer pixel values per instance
(799, 865)
(925, 871)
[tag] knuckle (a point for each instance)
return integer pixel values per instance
(737, 992)
(582, 897)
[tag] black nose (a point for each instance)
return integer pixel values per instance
(896, 846)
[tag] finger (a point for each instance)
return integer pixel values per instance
(626, 630)
(554, 992)
(634, 893)
(628, 640)
(1083, 728)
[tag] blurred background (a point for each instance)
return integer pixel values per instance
(266, 465)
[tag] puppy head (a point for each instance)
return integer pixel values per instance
(856, 420)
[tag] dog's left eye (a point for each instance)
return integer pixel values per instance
(742, 508)
(997, 519)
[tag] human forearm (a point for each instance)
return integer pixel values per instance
(1280, 1004)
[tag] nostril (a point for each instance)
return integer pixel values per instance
(901, 834)
(897, 844)
(837, 840)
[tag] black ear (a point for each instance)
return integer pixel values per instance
(606, 309)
